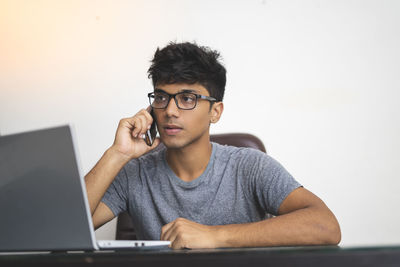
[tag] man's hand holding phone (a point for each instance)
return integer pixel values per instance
(129, 139)
(128, 144)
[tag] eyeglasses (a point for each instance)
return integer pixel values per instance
(183, 100)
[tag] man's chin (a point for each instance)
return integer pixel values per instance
(173, 144)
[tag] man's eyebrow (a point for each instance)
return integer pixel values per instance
(181, 91)
(188, 91)
(159, 90)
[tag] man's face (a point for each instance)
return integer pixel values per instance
(177, 127)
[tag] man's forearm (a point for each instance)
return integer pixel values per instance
(308, 226)
(101, 176)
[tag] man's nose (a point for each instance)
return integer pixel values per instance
(172, 109)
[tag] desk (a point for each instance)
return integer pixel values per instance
(300, 256)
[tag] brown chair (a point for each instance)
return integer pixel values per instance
(125, 230)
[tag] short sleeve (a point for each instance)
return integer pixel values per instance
(116, 196)
(269, 182)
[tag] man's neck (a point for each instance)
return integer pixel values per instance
(190, 162)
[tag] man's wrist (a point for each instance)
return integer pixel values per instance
(221, 235)
(231, 235)
(117, 155)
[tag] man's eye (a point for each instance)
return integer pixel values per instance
(188, 98)
(159, 98)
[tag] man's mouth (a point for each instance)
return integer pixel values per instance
(172, 129)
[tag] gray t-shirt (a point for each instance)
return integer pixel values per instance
(239, 185)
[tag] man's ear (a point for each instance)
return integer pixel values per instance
(216, 111)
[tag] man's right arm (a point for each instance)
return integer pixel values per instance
(97, 182)
(127, 145)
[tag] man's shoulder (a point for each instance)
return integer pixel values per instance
(237, 151)
(239, 155)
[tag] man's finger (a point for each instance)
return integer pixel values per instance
(136, 126)
(156, 142)
(177, 244)
(174, 236)
(165, 230)
(143, 124)
(149, 120)
(127, 122)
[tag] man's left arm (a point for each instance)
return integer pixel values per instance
(303, 219)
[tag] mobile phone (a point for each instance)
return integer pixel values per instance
(151, 134)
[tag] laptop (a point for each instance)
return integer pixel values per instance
(43, 200)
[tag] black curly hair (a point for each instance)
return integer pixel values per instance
(189, 63)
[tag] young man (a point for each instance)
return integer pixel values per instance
(192, 192)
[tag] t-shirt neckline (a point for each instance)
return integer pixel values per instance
(175, 179)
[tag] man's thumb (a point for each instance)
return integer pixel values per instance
(156, 142)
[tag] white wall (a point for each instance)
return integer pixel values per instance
(317, 81)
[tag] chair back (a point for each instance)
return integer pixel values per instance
(125, 229)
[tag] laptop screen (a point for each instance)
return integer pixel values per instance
(41, 198)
